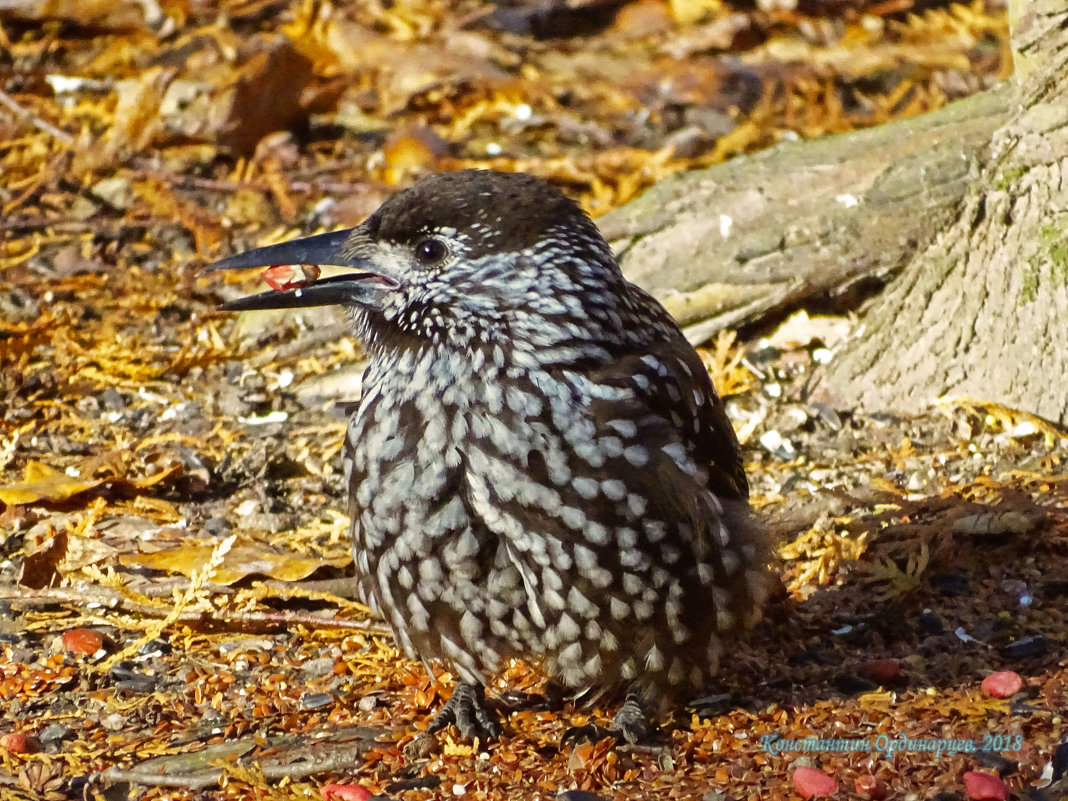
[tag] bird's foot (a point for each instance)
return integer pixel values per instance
(589, 733)
(632, 725)
(467, 710)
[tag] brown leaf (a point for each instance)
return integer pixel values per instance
(241, 561)
(43, 483)
(410, 149)
(137, 121)
(39, 568)
(104, 13)
(403, 69)
(266, 96)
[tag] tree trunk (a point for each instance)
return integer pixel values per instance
(982, 311)
(743, 240)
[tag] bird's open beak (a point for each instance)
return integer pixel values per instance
(361, 288)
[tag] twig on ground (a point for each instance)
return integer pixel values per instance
(21, 111)
(345, 757)
(83, 595)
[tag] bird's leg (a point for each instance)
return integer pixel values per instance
(632, 725)
(467, 710)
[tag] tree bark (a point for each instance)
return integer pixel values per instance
(732, 244)
(966, 206)
(982, 311)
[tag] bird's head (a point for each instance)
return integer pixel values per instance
(457, 255)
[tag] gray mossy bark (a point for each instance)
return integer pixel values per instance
(982, 312)
(736, 243)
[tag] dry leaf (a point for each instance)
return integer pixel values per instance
(43, 483)
(240, 562)
(39, 568)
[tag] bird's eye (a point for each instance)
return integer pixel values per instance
(431, 250)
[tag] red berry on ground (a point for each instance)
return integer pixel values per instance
(1003, 684)
(344, 792)
(84, 642)
(18, 743)
(984, 787)
(812, 783)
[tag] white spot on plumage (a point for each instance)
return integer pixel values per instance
(585, 558)
(580, 604)
(654, 659)
(573, 518)
(592, 668)
(634, 559)
(418, 619)
(677, 671)
(585, 486)
(600, 577)
(723, 537)
(567, 629)
(730, 562)
(636, 504)
(596, 533)
(471, 628)
(677, 453)
(554, 600)
(571, 655)
(626, 428)
(464, 547)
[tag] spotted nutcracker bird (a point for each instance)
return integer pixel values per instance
(539, 466)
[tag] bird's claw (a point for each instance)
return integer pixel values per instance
(590, 733)
(631, 726)
(467, 710)
(643, 735)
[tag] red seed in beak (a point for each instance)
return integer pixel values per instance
(281, 277)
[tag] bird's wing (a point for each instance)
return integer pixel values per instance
(674, 401)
